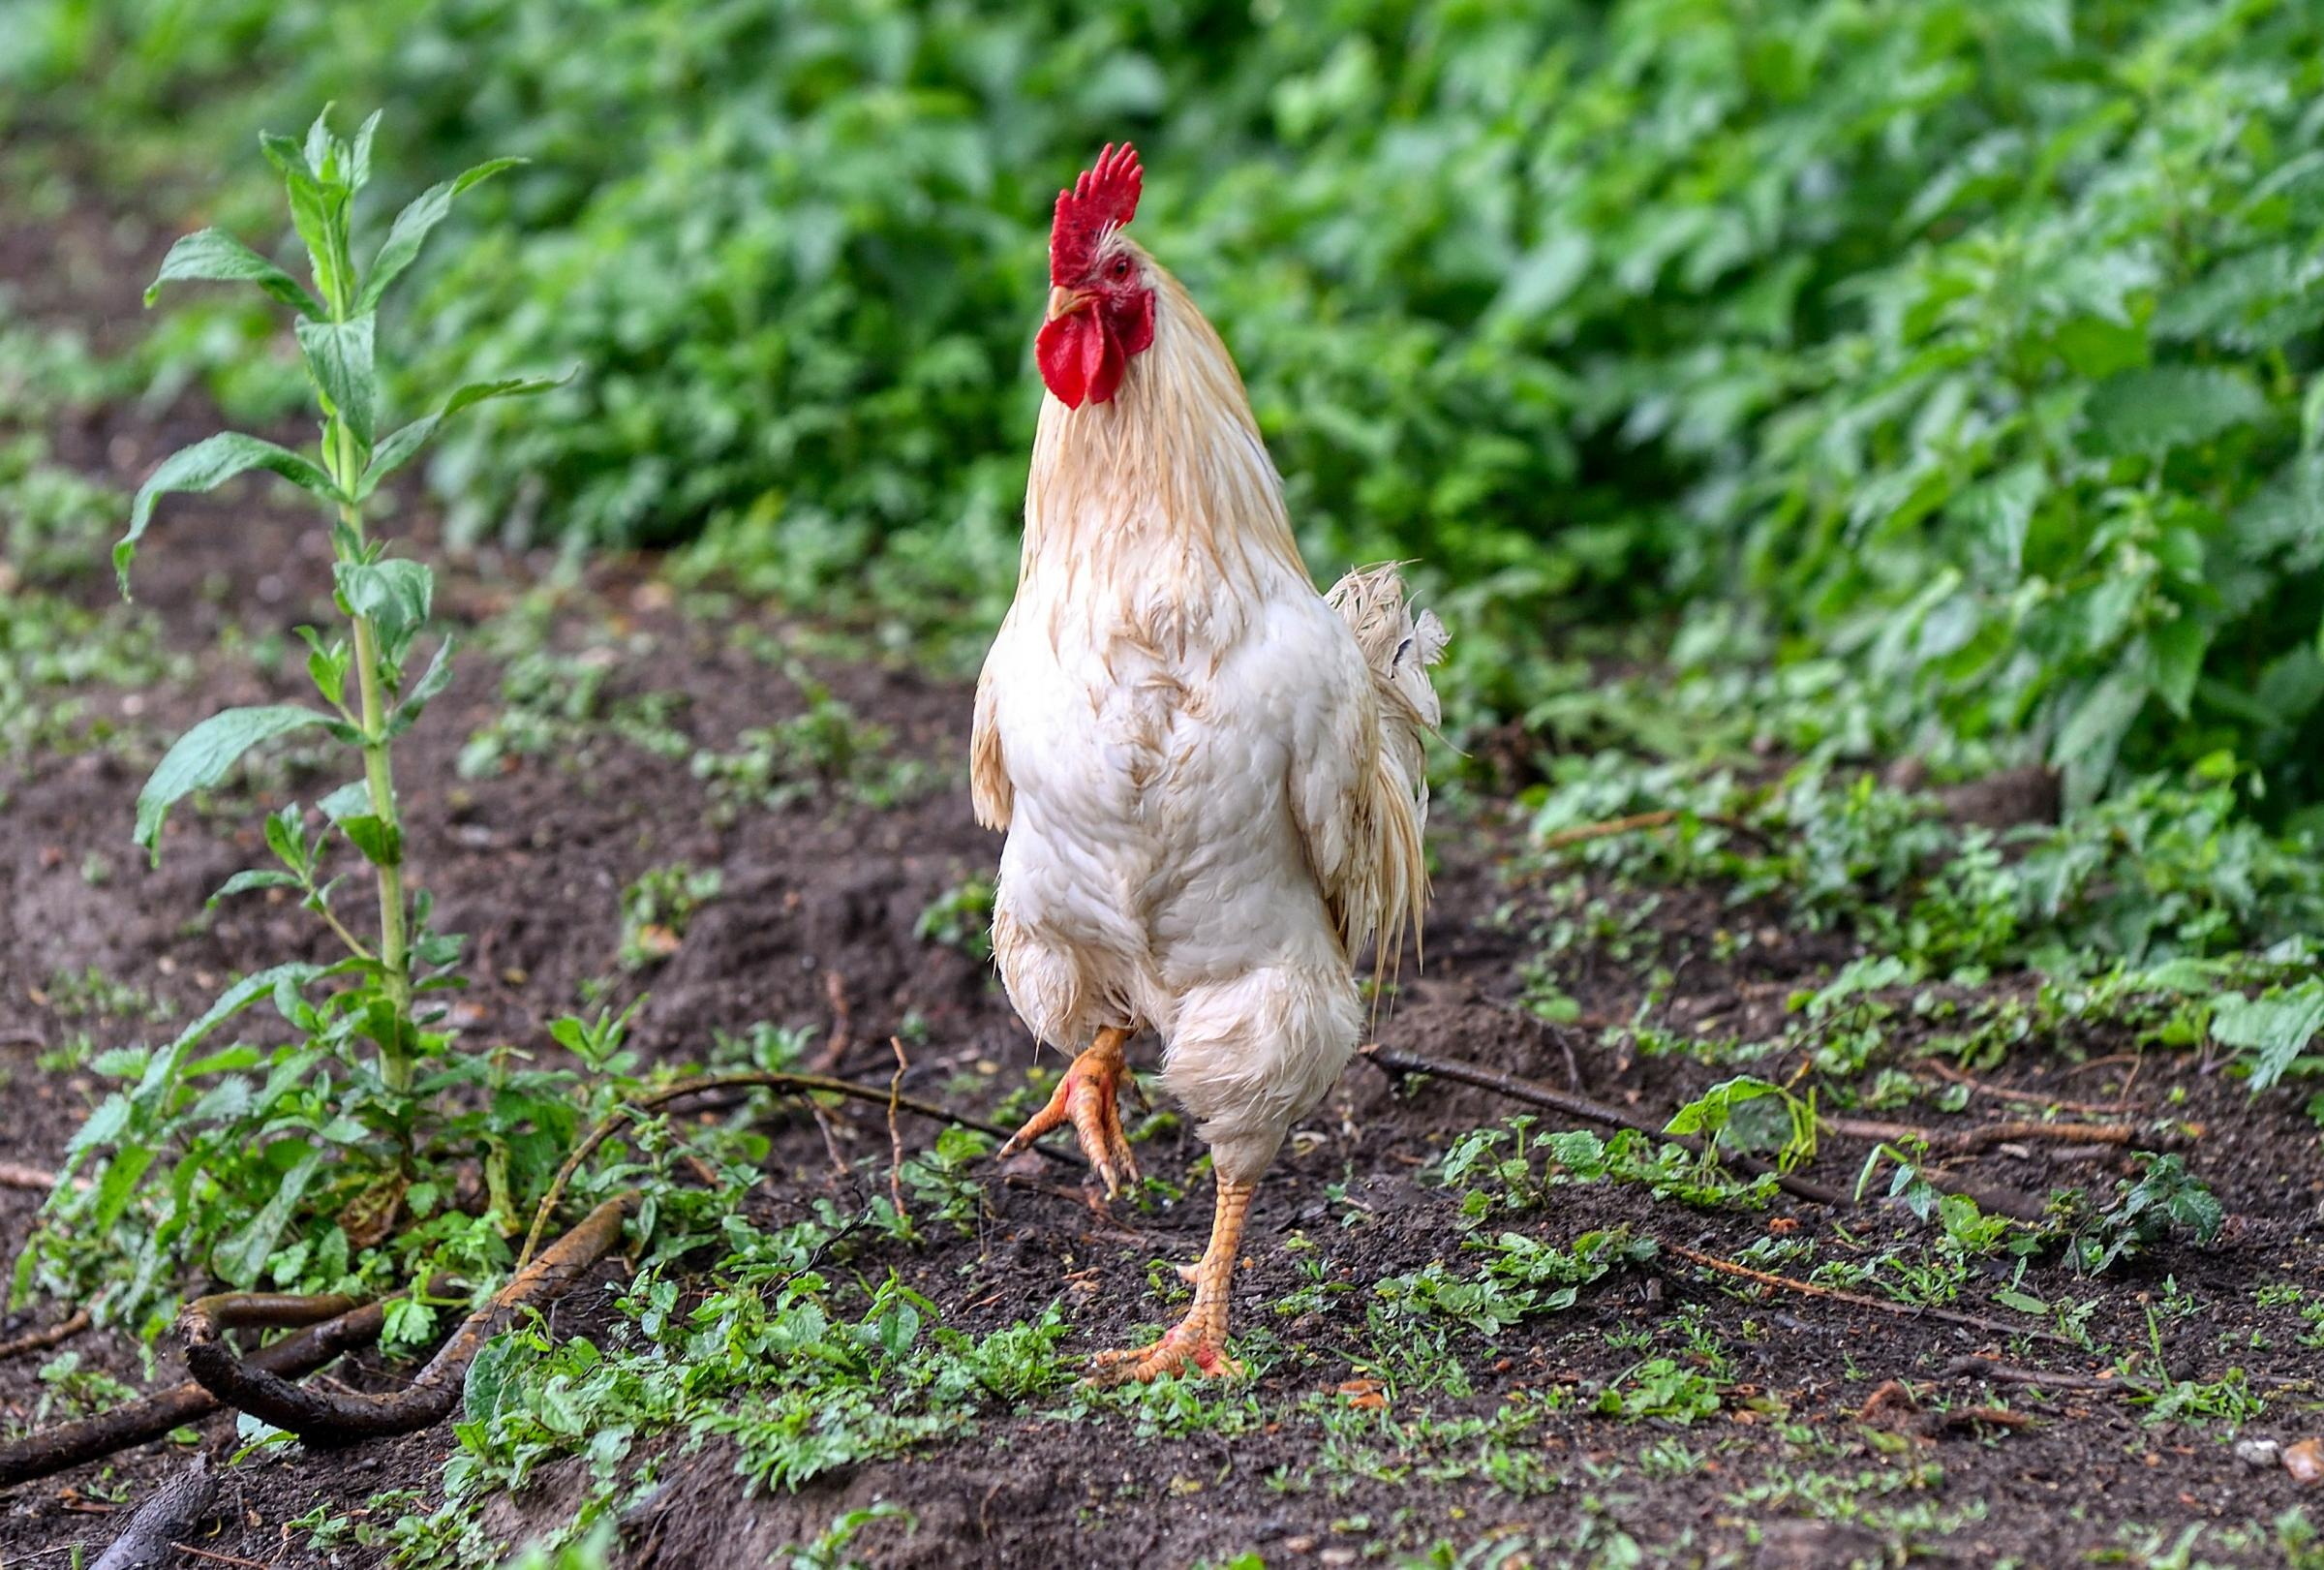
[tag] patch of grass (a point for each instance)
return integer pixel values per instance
(658, 907)
(825, 752)
(1659, 1388)
(961, 917)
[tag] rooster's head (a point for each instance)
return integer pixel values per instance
(1101, 297)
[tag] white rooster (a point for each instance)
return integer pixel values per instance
(1212, 777)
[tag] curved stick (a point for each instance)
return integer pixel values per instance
(39, 1340)
(1903, 1311)
(1980, 1136)
(70, 1444)
(335, 1419)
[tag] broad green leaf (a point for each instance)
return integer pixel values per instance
(358, 168)
(285, 155)
(346, 802)
(122, 1175)
(213, 254)
(320, 216)
(340, 357)
(1711, 1111)
(394, 596)
(380, 842)
(241, 1259)
(2275, 1028)
(244, 882)
(437, 677)
(286, 835)
(398, 449)
(204, 755)
(416, 222)
(2087, 742)
(322, 148)
(2150, 412)
(205, 466)
(327, 664)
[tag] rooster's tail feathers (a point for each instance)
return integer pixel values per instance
(1398, 646)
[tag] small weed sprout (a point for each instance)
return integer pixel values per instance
(659, 906)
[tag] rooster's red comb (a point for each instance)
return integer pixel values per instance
(1104, 198)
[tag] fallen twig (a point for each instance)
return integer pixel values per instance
(1905, 1310)
(1982, 1136)
(835, 988)
(39, 1340)
(2032, 1098)
(2006, 1373)
(1398, 1061)
(150, 1537)
(895, 1136)
(746, 1079)
(1584, 833)
(2009, 1374)
(322, 1417)
(16, 1175)
(216, 1557)
(70, 1444)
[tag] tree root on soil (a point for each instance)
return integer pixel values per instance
(327, 1418)
(70, 1444)
(39, 1340)
(169, 1513)
(751, 1080)
(1982, 1136)
(2032, 1098)
(1903, 1310)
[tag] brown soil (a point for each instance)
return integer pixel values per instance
(530, 862)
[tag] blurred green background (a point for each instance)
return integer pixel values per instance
(1880, 378)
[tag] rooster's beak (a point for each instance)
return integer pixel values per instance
(1063, 301)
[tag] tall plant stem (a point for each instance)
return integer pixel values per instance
(379, 777)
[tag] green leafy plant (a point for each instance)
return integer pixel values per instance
(387, 600)
(2164, 1198)
(250, 1141)
(659, 906)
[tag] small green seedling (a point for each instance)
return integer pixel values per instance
(365, 676)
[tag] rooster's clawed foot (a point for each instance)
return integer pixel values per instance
(1090, 1097)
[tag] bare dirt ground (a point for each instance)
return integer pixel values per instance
(1800, 1465)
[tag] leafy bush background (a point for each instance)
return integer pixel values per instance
(1958, 355)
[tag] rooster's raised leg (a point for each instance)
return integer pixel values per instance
(1198, 1342)
(1090, 1097)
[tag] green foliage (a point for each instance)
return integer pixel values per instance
(298, 1165)
(1660, 1388)
(1961, 355)
(961, 917)
(1522, 1277)
(1514, 1169)
(658, 908)
(2164, 1199)
(823, 750)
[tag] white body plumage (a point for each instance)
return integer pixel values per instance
(1211, 778)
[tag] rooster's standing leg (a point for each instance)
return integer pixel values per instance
(1198, 1342)
(1090, 1097)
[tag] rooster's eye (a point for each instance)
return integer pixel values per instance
(1122, 266)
